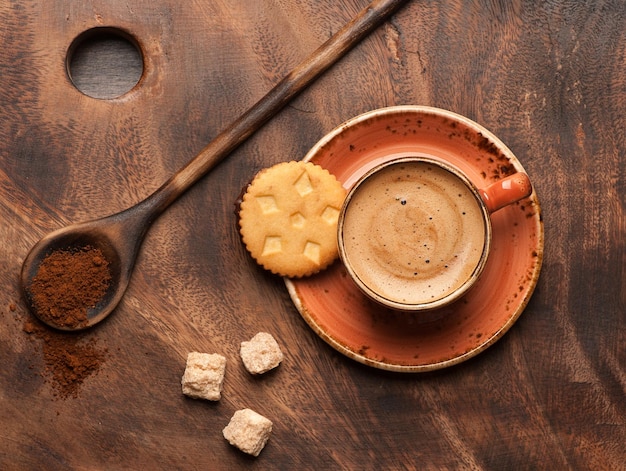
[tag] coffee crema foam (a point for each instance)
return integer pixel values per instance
(414, 232)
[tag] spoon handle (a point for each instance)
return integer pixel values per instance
(268, 106)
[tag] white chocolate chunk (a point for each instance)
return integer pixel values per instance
(272, 245)
(297, 220)
(268, 204)
(330, 215)
(303, 185)
(312, 252)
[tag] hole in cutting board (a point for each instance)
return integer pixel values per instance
(104, 63)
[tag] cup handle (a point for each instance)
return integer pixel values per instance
(506, 191)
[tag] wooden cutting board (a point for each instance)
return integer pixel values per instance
(67, 157)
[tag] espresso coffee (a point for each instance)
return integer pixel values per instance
(413, 232)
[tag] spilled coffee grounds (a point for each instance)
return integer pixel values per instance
(69, 358)
(68, 283)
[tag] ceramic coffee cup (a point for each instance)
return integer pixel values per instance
(414, 233)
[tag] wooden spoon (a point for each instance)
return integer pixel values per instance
(120, 235)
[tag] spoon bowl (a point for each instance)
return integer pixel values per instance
(119, 236)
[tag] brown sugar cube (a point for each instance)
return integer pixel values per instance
(261, 353)
(248, 431)
(204, 376)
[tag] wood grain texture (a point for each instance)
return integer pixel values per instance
(547, 77)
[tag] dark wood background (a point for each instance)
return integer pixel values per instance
(547, 77)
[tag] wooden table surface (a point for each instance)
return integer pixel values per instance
(547, 77)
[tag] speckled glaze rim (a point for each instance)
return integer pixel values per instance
(522, 302)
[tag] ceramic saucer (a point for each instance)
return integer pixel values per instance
(414, 342)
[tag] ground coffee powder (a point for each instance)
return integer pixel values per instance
(68, 283)
(69, 358)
